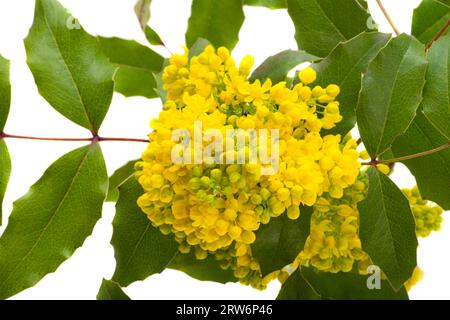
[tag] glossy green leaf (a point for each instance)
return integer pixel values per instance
(218, 21)
(432, 172)
(136, 65)
(284, 236)
(344, 67)
(271, 4)
(5, 92)
(118, 178)
(110, 290)
(349, 286)
(387, 229)
(53, 219)
(140, 249)
(429, 18)
(203, 270)
(436, 96)
(391, 93)
(320, 25)
(278, 66)
(297, 288)
(5, 172)
(68, 65)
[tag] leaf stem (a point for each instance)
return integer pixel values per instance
(95, 138)
(438, 35)
(374, 162)
(388, 18)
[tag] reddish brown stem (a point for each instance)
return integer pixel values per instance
(374, 162)
(95, 138)
(438, 35)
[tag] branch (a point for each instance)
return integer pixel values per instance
(388, 18)
(93, 139)
(374, 162)
(438, 35)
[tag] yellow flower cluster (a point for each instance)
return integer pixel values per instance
(427, 215)
(333, 244)
(216, 208)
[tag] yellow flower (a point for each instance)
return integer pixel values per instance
(216, 208)
(307, 76)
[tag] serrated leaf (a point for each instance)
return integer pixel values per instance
(344, 67)
(68, 65)
(142, 10)
(5, 172)
(297, 288)
(391, 93)
(271, 4)
(436, 96)
(284, 236)
(349, 286)
(136, 65)
(429, 18)
(5, 92)
(53, 219)
(320, 25)
(216, 20)
(203, 270)
(432, 172)
(140, 249)
(278, 66)
(387, 229)
(118, 178)
(110, 290)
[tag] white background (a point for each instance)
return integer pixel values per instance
(264, 33)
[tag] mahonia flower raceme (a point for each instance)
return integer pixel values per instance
(427, 215)
(216, 208)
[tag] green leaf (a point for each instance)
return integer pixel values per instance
(5, 172)
(68, 65)
(297, 288)
(53, 219)
(110, 290)
(271, 4)
(429, 18)
(199, 45)
(432, 172)
(284, 236)
(159, 90)
(218, 21)
(203, 270)
(119, 176)
(142, 10)
(322, 24)
(436, 96)
(349, 286)
(5, 92)
(136, 65)
(344, 67)
(391, 92)
(153, 37)
(387, 229)
(278, 66)
(140, 249)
